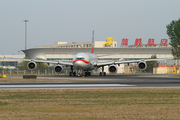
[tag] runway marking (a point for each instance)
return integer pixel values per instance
(65, 85)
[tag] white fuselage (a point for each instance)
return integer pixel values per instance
(84, 61)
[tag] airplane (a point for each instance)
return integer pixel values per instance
(87, 62)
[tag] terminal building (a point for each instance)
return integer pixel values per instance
(65, 51)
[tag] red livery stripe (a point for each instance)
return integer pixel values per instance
(85, 61)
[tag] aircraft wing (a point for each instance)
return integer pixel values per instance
(70, 63)
(106, 55)
(127, 61)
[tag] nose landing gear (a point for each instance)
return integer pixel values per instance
(80, 73)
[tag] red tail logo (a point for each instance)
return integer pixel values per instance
(92, 49)
(4, 56)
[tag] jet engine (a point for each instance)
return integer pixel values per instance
(113, 69)
(142, 65)
(58, 68)
(32, 65)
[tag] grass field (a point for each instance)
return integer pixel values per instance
(127, 104)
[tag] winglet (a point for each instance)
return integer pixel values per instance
(92, 49)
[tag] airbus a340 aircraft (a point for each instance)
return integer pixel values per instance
(86, 62)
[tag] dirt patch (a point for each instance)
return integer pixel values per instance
(15, 80)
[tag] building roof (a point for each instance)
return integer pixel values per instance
(40, 52)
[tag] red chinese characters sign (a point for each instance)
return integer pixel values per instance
(138, 42)
(151, 42)
(125, 42)
(164, 42)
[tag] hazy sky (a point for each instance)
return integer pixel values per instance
(73, 21)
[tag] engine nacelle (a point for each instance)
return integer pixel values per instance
(113, 69)
(142, 65)
(58, 68)
(32, 65)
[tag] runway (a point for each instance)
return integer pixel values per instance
(58, 85)
(100, 82)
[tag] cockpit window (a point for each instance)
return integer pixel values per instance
(80, 58)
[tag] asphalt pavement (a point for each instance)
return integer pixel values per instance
(99, 82)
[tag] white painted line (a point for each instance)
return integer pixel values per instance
(75, 85)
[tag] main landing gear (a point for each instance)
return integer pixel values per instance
(102, 73)
(72, 73)
(80, 72)
(87, 73)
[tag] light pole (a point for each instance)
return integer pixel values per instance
(25, 32)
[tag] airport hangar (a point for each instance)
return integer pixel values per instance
(65, 52)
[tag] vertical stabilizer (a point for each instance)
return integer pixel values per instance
(92, 49)
(4, 56)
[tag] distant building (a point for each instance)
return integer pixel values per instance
(97, 44)
(4, 63)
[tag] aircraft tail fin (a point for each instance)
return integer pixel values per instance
(92, 49)
(4, 56)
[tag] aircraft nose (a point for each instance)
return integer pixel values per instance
(78, 64)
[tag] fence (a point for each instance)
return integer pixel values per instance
(45, 71)
(158, 70)
(125, 70)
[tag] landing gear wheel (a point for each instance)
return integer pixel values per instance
(104, 73)
(74, 73)
(87, 73)
(100, 73)
(70, 73)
